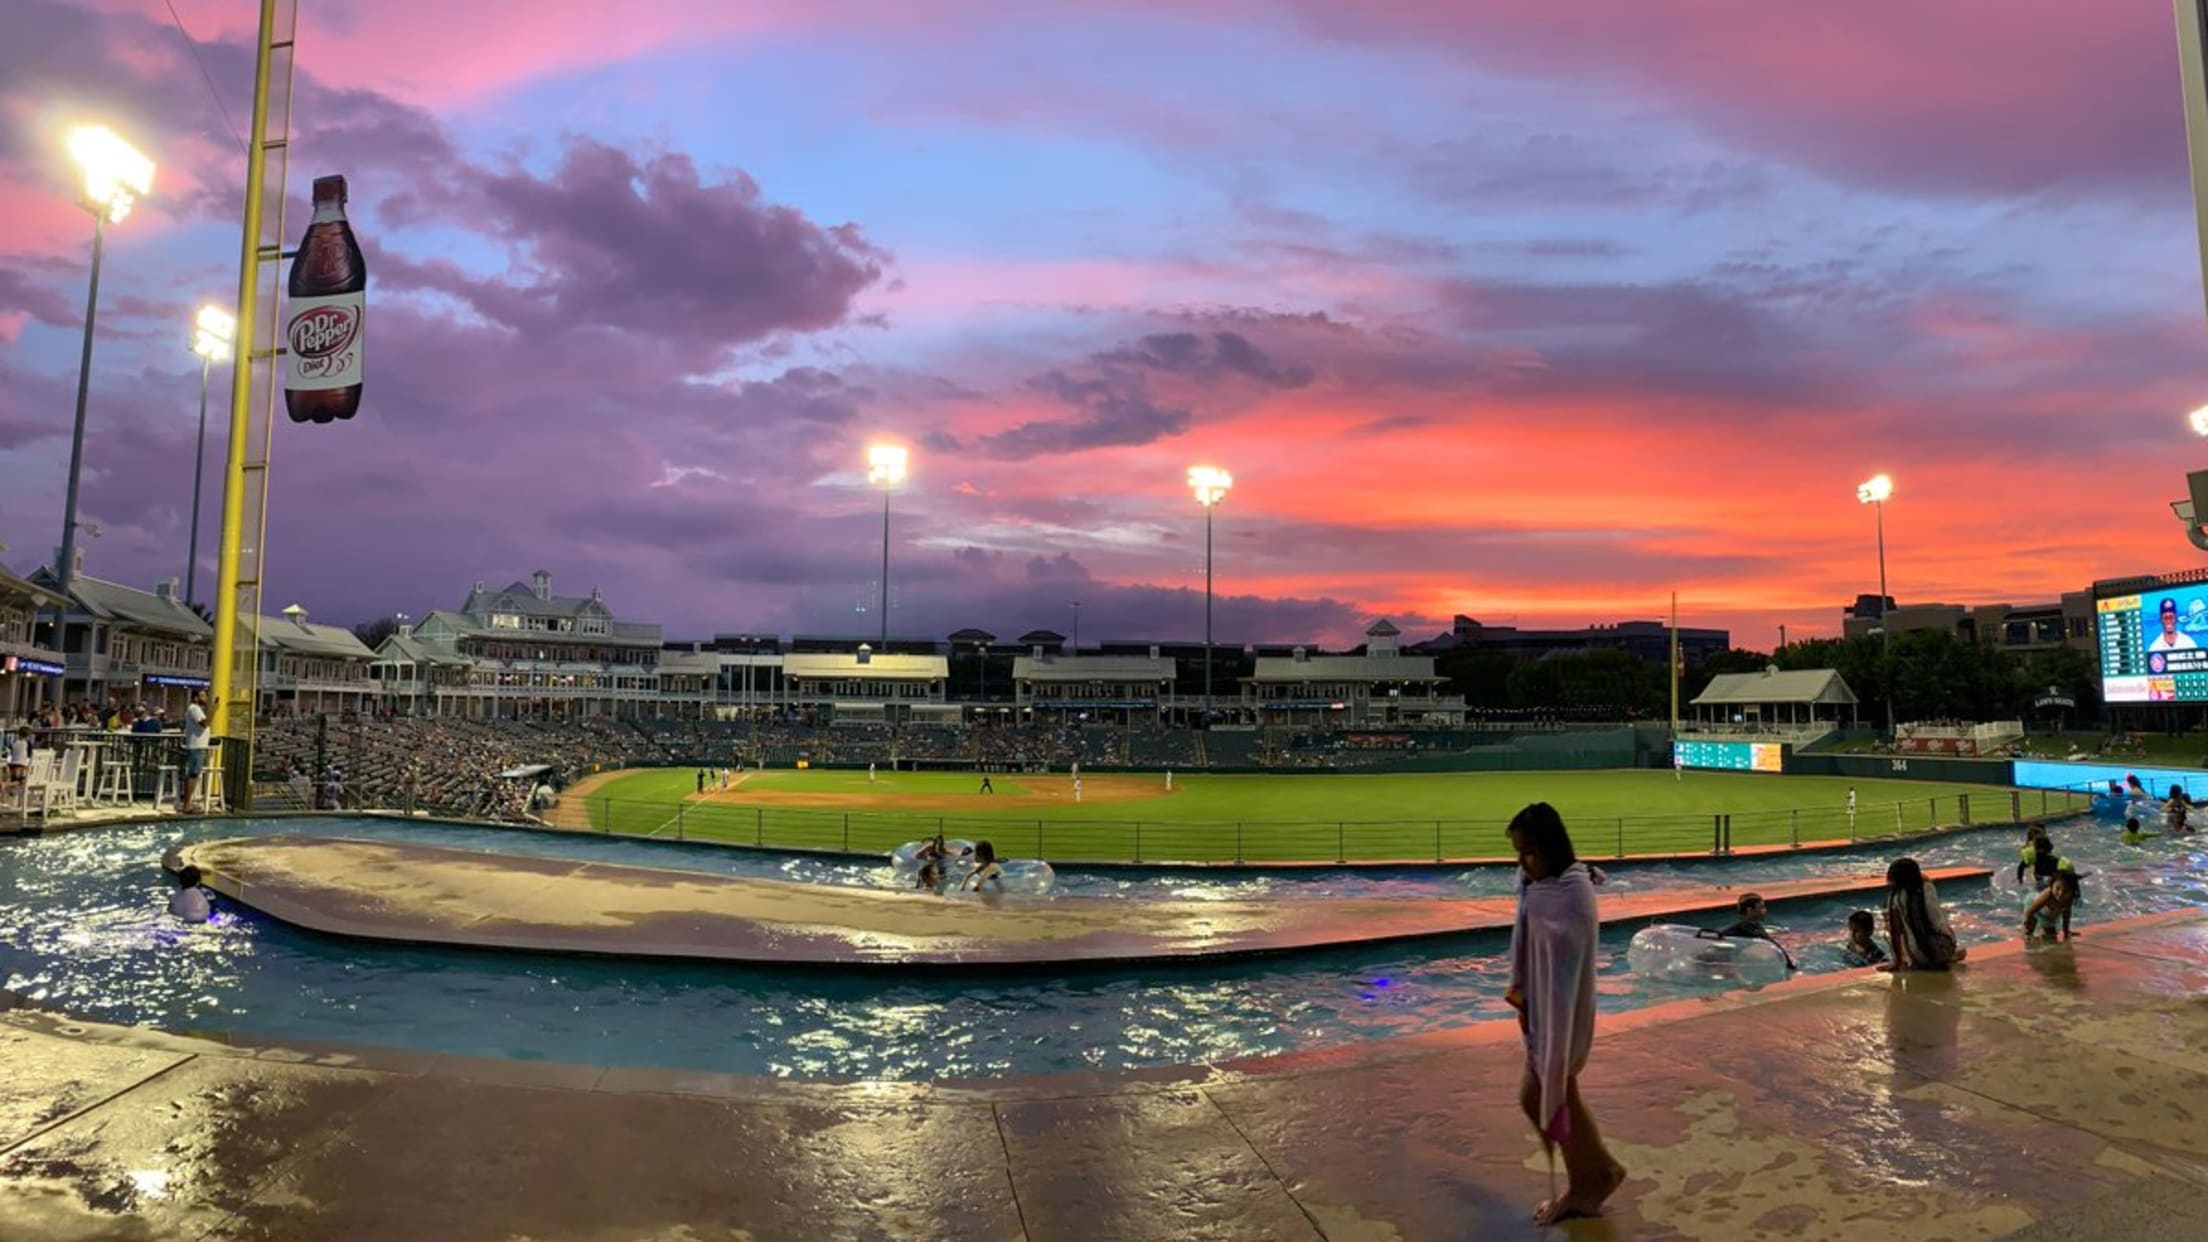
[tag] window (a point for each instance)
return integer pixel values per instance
(594, 625)
(505, 621)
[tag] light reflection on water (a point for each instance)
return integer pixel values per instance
(82, 928)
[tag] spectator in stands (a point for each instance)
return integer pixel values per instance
(143, 721)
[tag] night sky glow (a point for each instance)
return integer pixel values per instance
(1525, 310)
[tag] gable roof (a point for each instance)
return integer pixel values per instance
(807, 664)
(12, 585)
(1809, 685)
(1383, 628)
(521, 599)
(311, 639)
(412, 650)
(112, 601)
(1132, 668)
(1344, 668)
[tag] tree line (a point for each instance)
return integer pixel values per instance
(1930, 674)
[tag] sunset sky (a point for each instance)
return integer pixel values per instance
(1531, 311)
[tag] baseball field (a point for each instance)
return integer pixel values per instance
(1130, 817)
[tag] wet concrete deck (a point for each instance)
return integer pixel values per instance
(434, 895)
(2048, 1093)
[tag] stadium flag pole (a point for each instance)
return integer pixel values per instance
(1675, 772)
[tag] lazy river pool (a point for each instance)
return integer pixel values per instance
(82, 928)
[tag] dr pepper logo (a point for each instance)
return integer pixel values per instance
(323, 331)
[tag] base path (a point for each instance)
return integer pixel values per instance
(434, 895)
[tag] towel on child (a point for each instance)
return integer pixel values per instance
(1552, 969)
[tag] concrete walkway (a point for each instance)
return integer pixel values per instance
(427, 894)
(2054, 1092)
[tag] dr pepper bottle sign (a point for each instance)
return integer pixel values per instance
(323, 314)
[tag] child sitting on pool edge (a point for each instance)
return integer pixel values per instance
(1862, 948)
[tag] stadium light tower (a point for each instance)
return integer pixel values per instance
(1875, 493)
(116, 176)
(885, 468)
(212, 332)
(1211, 485)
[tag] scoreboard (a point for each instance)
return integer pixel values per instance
(1731, 756)
(2153, 645)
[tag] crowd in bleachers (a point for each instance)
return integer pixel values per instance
(453, 764)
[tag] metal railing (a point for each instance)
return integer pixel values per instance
(1313, 841)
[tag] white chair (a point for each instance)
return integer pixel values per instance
(61, 791)
(36, 781)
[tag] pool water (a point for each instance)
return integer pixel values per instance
(82, 928)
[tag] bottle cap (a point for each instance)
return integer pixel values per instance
(330, 190)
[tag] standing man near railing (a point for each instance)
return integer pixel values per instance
(195, 750)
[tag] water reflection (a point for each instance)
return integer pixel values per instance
(82, 928)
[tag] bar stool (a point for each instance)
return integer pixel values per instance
(166, 785)
(210, 787)
(114, 788)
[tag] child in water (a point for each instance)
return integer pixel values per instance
(2054, 904)
(986, 870)
(1862, 948)
(2132, 835)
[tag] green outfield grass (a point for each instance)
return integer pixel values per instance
(1299, 818)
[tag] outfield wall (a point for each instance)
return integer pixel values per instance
(1907, 768)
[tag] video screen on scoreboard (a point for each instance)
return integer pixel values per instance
(2154, 646)
(1731, 756)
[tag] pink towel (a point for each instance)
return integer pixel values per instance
(1552, 965)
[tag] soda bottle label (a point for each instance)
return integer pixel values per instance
(322, 341)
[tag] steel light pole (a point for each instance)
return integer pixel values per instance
(885, 468)
(116, 176)
(1875, 493)
(1210, 484)
(1076, 627)
(212, 332)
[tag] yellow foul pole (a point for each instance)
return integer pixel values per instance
(1675, 666)
(241, 392)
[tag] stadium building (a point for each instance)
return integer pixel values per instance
(413, 675)
(1381, 686)
(864, 686)
(2014, 629)
(1115, 689)
(1649, 640)
(123, 645)
(30, 670)
(528, 652)
(308, 669)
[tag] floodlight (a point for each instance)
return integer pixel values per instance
(1876, 491)
(116, 174)
(1210, 484)
(885, 464)
(212, 332)
(2199, 419)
